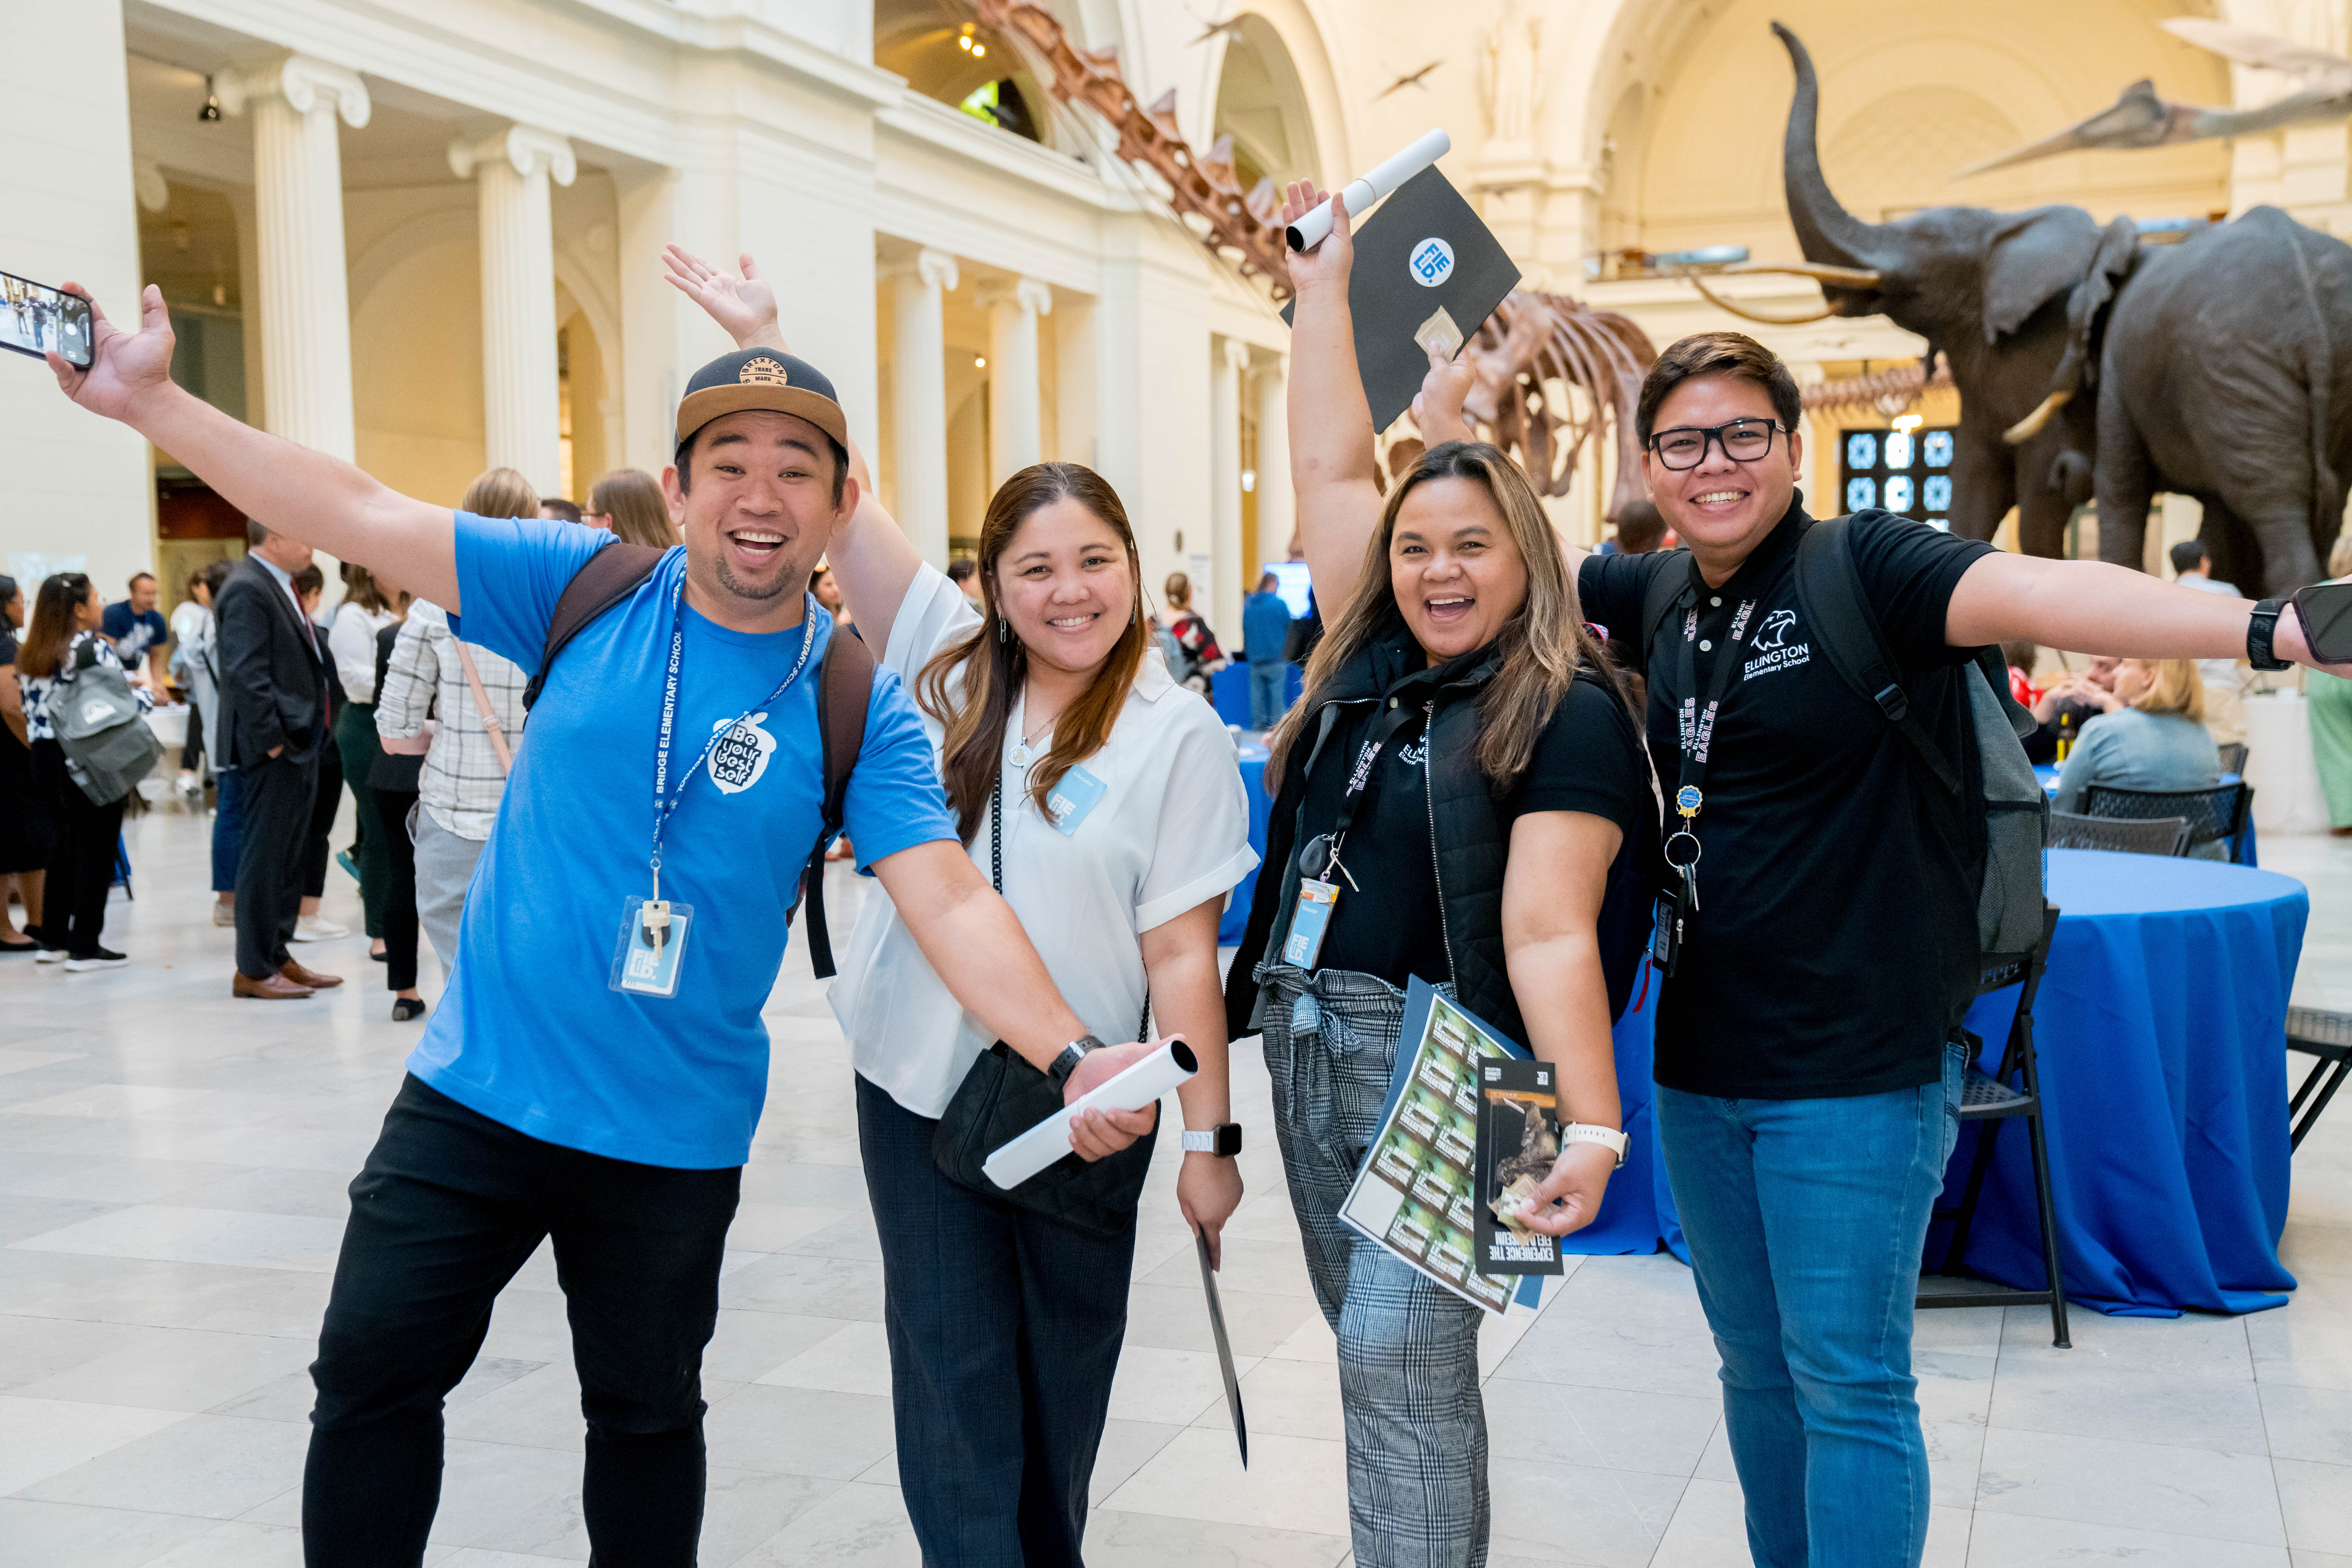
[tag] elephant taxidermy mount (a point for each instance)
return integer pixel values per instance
(2088, 365)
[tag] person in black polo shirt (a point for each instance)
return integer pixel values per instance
(1806, 1077)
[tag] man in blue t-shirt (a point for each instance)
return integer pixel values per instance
(594, 1072)
(1265, 627)
(137, 629)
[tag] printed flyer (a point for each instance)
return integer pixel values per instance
(1418, 1193)
(1518, 1139)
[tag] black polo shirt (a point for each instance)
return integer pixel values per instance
(1835, 923)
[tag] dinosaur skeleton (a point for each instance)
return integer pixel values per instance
(1537, 357)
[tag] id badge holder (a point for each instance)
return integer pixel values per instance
(646, 958)
(1667, 931)
(1316, 900)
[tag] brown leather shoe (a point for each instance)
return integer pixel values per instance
(294, 971)
(272, 988)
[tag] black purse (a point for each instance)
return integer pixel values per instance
(1002, 1096)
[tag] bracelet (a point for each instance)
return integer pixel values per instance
(2262, 626)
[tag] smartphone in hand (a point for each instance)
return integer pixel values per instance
(2326, 611)
(35, 319)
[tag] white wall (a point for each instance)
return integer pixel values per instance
(77, 484)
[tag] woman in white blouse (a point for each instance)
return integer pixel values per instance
(1005, 1326)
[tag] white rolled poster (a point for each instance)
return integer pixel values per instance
(1316, 221)
(1021, 1158)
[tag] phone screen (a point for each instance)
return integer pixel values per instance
(35, 319)
(2326, 611)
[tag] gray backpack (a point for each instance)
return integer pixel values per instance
(109, 747)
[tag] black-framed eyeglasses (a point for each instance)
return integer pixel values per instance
(1742, 440)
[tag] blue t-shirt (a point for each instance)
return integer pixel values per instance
(530, 1032)
(1265, 627)
(131, 635)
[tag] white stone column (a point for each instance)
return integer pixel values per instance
(305, 304)
(1228, 359)
(520, 405)
(1278, 503)
(919, 401)
(1014, 437)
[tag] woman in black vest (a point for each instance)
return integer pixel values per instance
(1464, 767)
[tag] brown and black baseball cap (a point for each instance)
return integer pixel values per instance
(766, 379)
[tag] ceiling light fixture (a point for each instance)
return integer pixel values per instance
(963, 41)
(980, 361)
(978, 50)
(211, 110)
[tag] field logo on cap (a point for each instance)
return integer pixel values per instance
(1431, 262)
(763, 371)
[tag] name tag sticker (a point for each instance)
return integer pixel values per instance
(1073, 798)
(646, 959)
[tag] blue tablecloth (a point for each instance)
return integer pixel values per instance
(1237, 908)
(2241, 847)
(1229, 691)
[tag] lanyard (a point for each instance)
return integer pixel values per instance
(664, 798)
(1695, 726)
(1325, 847)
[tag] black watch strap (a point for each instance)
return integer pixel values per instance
(1058, 1075)
(2260, 628)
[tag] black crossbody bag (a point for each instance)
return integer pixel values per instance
(1002, 1096)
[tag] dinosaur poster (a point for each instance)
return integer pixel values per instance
(1518, 1139)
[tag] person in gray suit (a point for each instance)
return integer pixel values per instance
(273, 699)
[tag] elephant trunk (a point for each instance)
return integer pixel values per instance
(1825, 231)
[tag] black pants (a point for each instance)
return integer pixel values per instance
(449, 1205)
(392, 808)
(326, 800)
(276, 796)
(1004, 1331)
(81, 856)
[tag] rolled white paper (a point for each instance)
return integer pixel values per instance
(1316, 221)
(1022, 1158)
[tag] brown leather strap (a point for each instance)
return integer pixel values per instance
(845, 690)
(604, 580)
(491, 725)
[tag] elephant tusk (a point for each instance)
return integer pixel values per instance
(2031, 425)
(1712, 298)
(1820, 272)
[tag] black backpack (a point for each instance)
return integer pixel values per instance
(845, 687)
(1998, 810)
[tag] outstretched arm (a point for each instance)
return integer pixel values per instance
(869, 553)
(1331, 457)
(287, 489)
(2101, 608)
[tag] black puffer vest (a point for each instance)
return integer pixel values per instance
(1467, 835)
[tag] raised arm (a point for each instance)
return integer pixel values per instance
(1333, 461)
(289, 489)
(869, 553)
(2100, 608)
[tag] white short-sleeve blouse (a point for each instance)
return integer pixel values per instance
(1170, 831)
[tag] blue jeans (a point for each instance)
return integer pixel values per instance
(1266, 686)
(1805, 1219)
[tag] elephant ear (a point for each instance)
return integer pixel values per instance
(2086, 313)
(2033, 259)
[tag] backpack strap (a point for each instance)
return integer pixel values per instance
(845, 691)
(1667, 585)
(604, 580)
(1829, 587)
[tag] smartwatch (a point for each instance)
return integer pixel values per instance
(2260, 628)
(1058, 1075)
(1224, 1141)
(1609, 1138)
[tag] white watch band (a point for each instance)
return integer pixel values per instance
(1609, 1138)
(1200, 1143)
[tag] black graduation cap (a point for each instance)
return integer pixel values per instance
(1427, 271)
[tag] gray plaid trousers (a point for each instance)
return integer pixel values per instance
(1408, 1348)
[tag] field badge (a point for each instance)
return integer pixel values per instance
(645, 960)
(1071, 799)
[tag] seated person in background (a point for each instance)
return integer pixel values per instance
(2019, 657)
(2225, 711)
(2156, 739)
(2068, 703)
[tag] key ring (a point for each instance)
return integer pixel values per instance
(1667, 849)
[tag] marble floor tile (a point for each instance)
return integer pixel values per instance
(2195, 1344)
(2144, 1486)
(54, 1535)
(1292, 1483)
(745, 1508)
(34, 1347)
(2107, 1401)
(177, 1369)
(807, 1287)
(856, 1526)
(799, 1431)
(748, 1345)
(45, 1438)
(208, 1467)
(2313, 1423)
(2014, 1541)
(854, 1359)
(1176, 1318)
(172, 1233)
(1571, 1513)
(1170, 1387)
(1116, 1540)
(1287, 1399)
(1598, 1428)
(2317, 1502)
(1127, 1446)
(236, 1544)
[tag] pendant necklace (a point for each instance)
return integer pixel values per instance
(1023, 755)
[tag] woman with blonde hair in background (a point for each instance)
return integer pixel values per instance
(2155, 740)
(477, 696)
(629, 502)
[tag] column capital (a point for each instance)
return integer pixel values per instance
(1034, 297)
(1237, 355)
(526, 148)
(934, 268)
(303, 82)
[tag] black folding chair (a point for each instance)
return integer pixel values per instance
(2214, 814)
(2233, 756)
(1991, 1099)
(2144, 835)
(2328, 1036)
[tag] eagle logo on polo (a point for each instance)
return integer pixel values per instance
(740, 755)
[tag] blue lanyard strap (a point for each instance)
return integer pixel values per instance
(665, 799)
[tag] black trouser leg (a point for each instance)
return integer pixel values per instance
(445, 1210)
(326, 799)
(81, 856)
(277, 798)
(65, 851)
(637, 1249)
(391, 807)
(356, 748)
